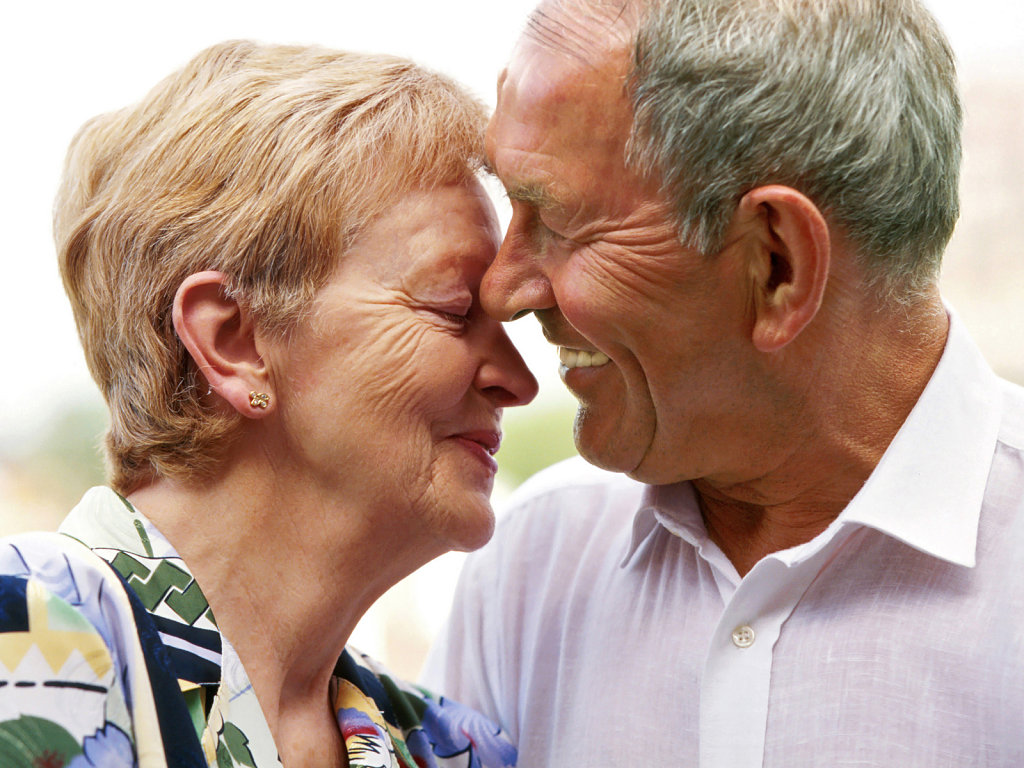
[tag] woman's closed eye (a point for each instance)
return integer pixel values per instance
(454, 317)
(450, 317)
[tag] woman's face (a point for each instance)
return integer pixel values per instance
(390, 395)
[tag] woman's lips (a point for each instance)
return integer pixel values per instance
(483, 444)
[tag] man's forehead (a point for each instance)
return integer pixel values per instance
(562, 117)
(544, 104)
(571, 51)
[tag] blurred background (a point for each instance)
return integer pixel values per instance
(63, 62)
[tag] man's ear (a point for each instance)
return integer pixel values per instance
(790, 266)
(218, 333)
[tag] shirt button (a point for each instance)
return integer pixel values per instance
(743, 637)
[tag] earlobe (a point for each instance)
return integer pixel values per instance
(218, 333)
(790, 265)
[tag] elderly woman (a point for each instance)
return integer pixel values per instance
(274, 262)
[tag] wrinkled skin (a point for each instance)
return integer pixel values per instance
(396, 384)
(591, 249)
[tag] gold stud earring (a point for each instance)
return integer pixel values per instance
(259, 399)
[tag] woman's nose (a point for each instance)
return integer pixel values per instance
(503, 376)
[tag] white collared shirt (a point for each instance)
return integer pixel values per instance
(602, 627)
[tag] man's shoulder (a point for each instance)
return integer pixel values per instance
(569, 522)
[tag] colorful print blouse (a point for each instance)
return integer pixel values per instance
(94, 675)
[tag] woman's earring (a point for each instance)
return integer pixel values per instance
(259, 399)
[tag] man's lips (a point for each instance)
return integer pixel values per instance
(570, 355)
(581, 358)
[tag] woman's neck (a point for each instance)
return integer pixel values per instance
(286, 574)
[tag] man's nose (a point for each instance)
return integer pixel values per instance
(517, 282)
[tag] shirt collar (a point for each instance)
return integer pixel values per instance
(110, 526)
(673, 507)
(104, 519)
(926, 491)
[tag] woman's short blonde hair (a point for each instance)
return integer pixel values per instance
(260, 161)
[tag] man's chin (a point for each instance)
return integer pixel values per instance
(605, 448)
(648, 476)
(632, 458)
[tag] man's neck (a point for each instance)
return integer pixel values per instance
(877, 375)
(746, 533)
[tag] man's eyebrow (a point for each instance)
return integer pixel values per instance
(533, 194)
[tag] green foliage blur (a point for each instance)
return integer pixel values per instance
(46, 473)
(69, 455)
(535, 437)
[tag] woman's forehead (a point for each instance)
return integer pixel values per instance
(427, 237)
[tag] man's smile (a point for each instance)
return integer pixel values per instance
(581, 358)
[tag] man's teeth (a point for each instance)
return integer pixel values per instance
(580, 358)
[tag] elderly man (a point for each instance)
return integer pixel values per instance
(729, 216)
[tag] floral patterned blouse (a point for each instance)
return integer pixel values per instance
(96, 675)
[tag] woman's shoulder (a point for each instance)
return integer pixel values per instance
(375, 707)
(65, 571)
(62, 627)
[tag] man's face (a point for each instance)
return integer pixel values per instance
(654, 339)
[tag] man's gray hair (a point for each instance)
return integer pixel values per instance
(852, 102)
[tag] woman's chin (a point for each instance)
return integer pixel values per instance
(470, 525)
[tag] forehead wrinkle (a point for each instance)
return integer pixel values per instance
(552, 34)
(557, 28)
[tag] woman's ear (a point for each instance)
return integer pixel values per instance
(218, 332)
(790, 263)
